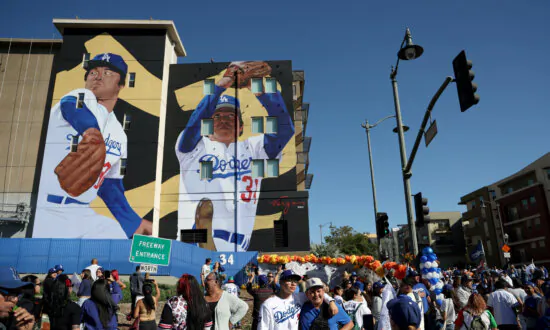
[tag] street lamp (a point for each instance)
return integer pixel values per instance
(321, 229)
(367, 128)
(409, 52)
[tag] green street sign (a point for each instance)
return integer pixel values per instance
(150, 250)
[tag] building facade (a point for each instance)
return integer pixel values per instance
(171, 169)
(25, 72)
(513, 211)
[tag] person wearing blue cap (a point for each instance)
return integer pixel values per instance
(83, 125)
(11, 286)
(282, 312)
(377, 290)
(530, 313)
(259, 294)
(220, 147)
(404, 313)
(59, 269)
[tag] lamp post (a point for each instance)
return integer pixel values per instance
(321, 230)
(367, 128)
(409, 52)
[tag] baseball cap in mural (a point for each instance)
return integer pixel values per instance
(59, 268)
(404, 312)
(314, 282)
(290, 275)
(227, 101)
(113, 61)
(9, 279)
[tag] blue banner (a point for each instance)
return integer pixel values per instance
(477, 252)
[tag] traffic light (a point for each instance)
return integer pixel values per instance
(382, 225)
(422, 209)
(463, 77)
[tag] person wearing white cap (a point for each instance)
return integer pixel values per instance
(282, 312)
(315, 315)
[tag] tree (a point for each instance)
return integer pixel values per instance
(348, 241)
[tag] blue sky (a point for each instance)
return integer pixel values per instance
(346, 49)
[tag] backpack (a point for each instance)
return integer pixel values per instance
(352, 316)
(477, 323)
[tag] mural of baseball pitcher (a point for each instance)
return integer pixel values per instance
(209, 203)
(85, 148)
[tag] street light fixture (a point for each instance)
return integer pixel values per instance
(409, 52)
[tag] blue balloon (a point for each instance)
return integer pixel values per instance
(438, 291)
(431, 258)
(438, 270)
(439, 302)
(423, 259)
(433, 281)
(427, 250)
(425, 271)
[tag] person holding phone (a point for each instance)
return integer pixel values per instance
(12, 316)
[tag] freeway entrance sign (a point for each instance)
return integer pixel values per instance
(150, 250)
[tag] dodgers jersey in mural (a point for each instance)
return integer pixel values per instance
(192, 149)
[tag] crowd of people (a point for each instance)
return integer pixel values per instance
(473, 299)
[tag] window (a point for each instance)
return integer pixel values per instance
(532, 200)
(127, 121)
(207, 127)
(522, 254)
(529, 224)
(85, 60)
(493, 194)
(280, 233)
(295, 97)
(509, 190)
(272, 168)
(489, 248)
(476, 221)
(206, 170)
(123, 162)
(272, 125)
(547, 173)
(208, 87)
(524, 203)
(270, 85)
(486, 228)
(530, 182)
(512, 213)
(542, 243)
(132, 80)
(481, 200)
(74, 143)
(257, 85)
(533, 245)
(473, 204)
(257, 168)
(80, 101)
(537, 222)
(257, 124)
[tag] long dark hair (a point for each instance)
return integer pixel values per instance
(101, 296)
(58, 297)
(148, 300)
(350, 293)
(198, 312)
(87, 274)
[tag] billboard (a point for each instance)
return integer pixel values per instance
(97, 160)
(249, 145)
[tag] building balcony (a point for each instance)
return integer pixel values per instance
(473, 213)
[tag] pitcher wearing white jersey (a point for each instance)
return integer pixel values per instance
(60, 215)
(210, 204)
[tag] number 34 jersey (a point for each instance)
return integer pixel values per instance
(221, 188)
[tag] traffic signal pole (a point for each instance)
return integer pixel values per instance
(367, 129)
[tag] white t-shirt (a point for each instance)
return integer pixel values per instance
(448, 307)
(518, 293)
(93, 269)
(502, 302)
(281, 314)
(231, 288)
(362, 309)
(205, 270)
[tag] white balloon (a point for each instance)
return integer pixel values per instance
(422, 266)
(429, 276)
(427, 264)
(440, 296)
(439, 285)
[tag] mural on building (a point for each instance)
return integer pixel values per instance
(211, 109)
(100, 138)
